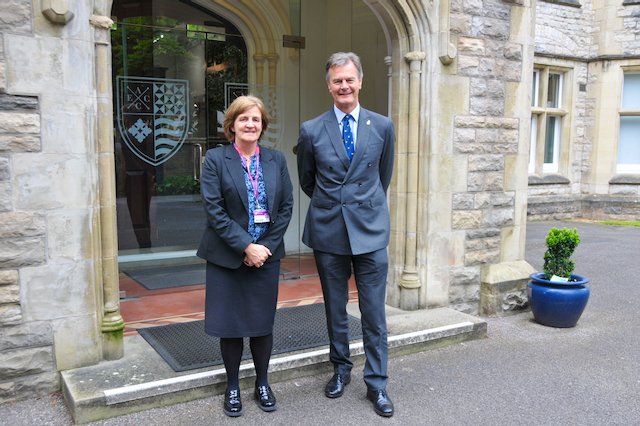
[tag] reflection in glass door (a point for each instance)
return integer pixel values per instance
(172, 80)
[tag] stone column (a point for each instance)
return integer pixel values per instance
(272, 59)
(112, 323)
(410, 280)
(270, 98)
(259, 59)
(388, 61)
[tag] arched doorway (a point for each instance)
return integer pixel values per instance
(198, 55)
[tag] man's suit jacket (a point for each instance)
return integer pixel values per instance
(348, 213)
(227, 205)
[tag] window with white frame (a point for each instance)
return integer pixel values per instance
(548, 119)
(629, 139)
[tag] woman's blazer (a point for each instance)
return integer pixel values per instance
(226, 205)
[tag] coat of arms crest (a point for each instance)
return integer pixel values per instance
(153, 116)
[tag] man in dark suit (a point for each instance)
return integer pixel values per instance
(345, 162)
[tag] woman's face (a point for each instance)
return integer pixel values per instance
(247, 126)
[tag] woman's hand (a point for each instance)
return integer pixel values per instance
(256, 255)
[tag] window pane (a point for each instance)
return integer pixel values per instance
(551, 139)
(631, 91)
(534, 88)
(532, 148)
(629, 146)
(553, 90)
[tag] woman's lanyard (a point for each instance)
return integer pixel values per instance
(260, 215)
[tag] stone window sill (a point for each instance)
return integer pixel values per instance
(625, 179)
(572, 3)
(548, 180)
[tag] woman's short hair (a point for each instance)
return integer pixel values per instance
(240, 105)
(339, 59)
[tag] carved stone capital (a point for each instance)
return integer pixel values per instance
(272, 57)
(259, 57)
(100, 21)
(415, 56)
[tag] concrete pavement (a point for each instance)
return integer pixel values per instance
(523, 373)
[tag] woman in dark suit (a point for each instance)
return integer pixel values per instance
(248, 199)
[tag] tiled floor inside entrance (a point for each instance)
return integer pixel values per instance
(140, 308)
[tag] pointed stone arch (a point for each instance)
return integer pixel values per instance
(260, 27)
(413, 40)
(417, 35)
(410, 29)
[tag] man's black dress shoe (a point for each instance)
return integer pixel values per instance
(266, 399)
(382, 405)
(336, 385)
(232, 406)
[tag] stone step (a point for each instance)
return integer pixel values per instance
(142, 380)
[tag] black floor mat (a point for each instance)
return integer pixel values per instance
(186, 346)
(155, 278)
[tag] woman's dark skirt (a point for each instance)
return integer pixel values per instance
(241, 302)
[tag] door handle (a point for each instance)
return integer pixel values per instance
(197, 162)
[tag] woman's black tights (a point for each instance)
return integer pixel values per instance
(231, 349)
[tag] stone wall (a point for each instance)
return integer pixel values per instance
(48, 184)
(593, 40)
(564, 37)
(622, 198)
(27, 363)
(629, 34)
(565, 29)
(486, 138)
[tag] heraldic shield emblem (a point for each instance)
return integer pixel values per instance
(153, 116)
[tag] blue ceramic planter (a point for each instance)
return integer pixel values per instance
(557, 304)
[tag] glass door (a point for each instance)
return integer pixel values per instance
(176, 67)
(170, 79)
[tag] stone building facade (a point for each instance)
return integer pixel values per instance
(49, 308)
(471, 85)
(592, 46)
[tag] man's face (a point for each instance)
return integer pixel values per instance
(344, 86)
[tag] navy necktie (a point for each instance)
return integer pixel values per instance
(347, 136)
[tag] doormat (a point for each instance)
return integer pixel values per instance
(160, 277)
(186, 346)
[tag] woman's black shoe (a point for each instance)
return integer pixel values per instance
(266, 399)
(232, 403)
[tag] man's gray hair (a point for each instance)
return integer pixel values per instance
(339, 59)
